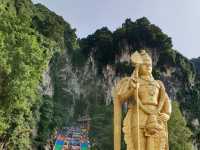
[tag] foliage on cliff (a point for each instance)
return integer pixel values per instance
(54, 27)
(24, 55)
(105, 46)
(59, 106)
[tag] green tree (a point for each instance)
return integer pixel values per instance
(24, 56)
(101, 132)
(179, 134)
(45, 128)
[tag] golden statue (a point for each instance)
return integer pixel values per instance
(149, 108)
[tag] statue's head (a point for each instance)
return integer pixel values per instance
(144, 61)
(146, 67)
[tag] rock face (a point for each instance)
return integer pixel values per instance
(196, 62)
(79, 82)
(46, 87)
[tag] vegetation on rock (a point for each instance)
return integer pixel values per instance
(32, 38)
(24, 56)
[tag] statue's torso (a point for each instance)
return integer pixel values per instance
(148, 92)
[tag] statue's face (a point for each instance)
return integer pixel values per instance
(145, 69)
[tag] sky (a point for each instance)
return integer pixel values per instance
(179, 19)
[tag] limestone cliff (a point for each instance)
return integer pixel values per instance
(196, 62)
(82, 72)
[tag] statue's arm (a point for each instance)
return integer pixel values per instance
(125, 89)
(166, 108)
(121, 92)
(167, 105)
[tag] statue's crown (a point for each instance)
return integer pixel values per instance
(141, 58)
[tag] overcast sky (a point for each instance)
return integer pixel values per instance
(180, 19)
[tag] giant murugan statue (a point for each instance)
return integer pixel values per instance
(149, 108)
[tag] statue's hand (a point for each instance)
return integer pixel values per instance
(152, 125)
(153, 129)
(163, 117)
(133, 82)
(124, 89)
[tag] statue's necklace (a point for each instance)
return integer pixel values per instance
(148, 80)
(151, 87)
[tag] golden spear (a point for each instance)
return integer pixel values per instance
(137, 61)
